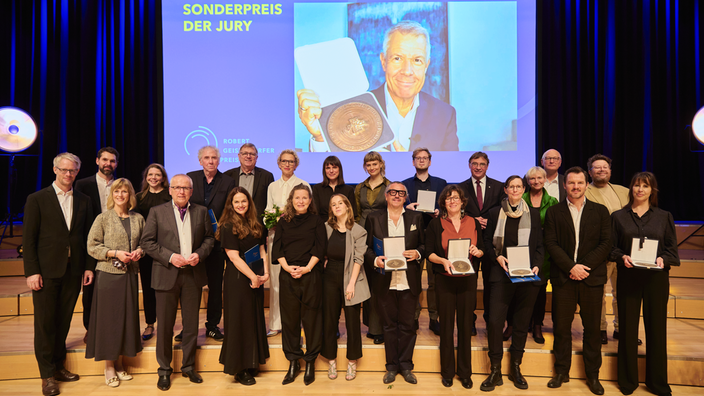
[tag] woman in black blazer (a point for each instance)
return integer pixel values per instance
(514, 223)
(641, 219)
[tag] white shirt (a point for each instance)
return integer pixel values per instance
(399, 280)
(279, 190)
(66, 203)
(103, 191)
(553, 187)
(184, 231)
(402, 126)
(576, 220)
(482, 181)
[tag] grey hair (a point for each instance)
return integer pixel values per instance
(67, 156)
(249, 145)
(182, 175)
(536, 169)
(546, 153)
(202, 149)
(408, 27)
(386, 191)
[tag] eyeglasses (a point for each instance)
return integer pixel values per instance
(181, 189)
(514, 187)
(421, 158)
(452, 199)
(288, 162)
(548, 159)
(69, 171)
(479, 164)
(248, 154)
(400, 193)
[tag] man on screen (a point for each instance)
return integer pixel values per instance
(417, 119)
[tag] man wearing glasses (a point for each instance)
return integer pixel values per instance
(57, 220)
(178, 236)
(397, 291)
(555, 182)
(422, 181)
(254, 179)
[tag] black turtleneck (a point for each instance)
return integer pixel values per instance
(299, 239)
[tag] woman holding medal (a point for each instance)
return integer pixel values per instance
(454, 293)
(514, 223)
(114, 242)
(299, 245)
(344, 284)
(638, 221)
(242, 236)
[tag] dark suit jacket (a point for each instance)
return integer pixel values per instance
(223, 185)
(594, 242)
(262, 179)
(160, 240)
(377, 226)
(493, 196)
(436, 184)
(435, 125)
(89, 186)
(47, 240)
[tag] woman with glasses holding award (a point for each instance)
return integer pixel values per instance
(114, 242)
(644, 247)
(243, 238)
(455, 280)
(512, 225)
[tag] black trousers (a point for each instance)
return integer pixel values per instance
(652, 288)
(503, 295)
(333, 303)
(564, 304)
(53, 310)
(188, 292)
(148, 294)
(538, 309)
(215, 268)
(397, 310)
(301, 302)
(456, 295)
(432, 304)
(370, 314)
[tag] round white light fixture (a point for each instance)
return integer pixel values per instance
(698, 125)
(17, 130)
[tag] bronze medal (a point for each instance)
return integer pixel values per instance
(461, 266)
(394, 263)
(355, 126)
(521, 272)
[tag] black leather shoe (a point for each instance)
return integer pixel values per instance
(179, 337)
(508, 332)
(515, 375)
(434, 326)
(604, 337)
(379, 339)
(493, 380)
(466, 383)
(595, 386)
(50, 387)
(193, 376)
(244, 378)
(447, 382)
(214, 333)
(390, 377)
(293, 369)
(309, 376)
(640, 342)
(164, 382)
(370, 335)
(64, 375)
(538, 334)
(474, 331)
(558, 380)
(409, 377)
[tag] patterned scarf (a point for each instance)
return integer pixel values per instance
(522, 211)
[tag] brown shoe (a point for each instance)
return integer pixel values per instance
(50, 387)
(64, 375)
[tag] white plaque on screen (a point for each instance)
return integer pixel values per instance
(518, 261)
(458, 254)
(393, 250)
(426, 201)
(647, 256)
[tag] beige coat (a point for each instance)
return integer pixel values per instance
(593, 194)
(355, 247)
(108, 233)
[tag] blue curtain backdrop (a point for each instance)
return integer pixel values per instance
(620, 77)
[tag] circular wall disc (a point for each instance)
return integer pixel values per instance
(698, 125)
(17, 130)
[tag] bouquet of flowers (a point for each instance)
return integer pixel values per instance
(271, 217)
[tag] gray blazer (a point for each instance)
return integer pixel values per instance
(355, 247)
(108, 233)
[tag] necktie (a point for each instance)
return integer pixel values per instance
(480, 200)
(182, 211)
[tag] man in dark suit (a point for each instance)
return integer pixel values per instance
(97, 187)
(178, 236)
(423, 181)
(397, 291)
(578, 238)
(210, 189)
(254, 179)
(483, 193)
(57, 220)
(555, 182)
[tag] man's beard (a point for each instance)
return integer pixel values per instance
(107, 171)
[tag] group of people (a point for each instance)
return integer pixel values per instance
(321, 258)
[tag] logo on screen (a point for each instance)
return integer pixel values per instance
(203, 137)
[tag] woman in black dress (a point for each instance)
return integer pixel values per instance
(245, 346)
(299, 245)
(641, 219)
(155, 191)
(333, 183)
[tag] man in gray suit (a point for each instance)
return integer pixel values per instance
(178, 235)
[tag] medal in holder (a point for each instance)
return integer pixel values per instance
(393, 250)
(458, 254)
(519, 265)
(644, 254)
(426, 203)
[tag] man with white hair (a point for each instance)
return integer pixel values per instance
(554, 182)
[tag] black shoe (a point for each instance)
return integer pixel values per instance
(64, 375)
(309, 376)
(370, 335)
(604, 337)
(293, 369)
(595, 386)
(434, 326)
(508, 332)
(164, 382)
(515, 375)
(493, 380)
(244, 378)
(558, 380)
(466, 383)
(379, 339)
(214, 333)
(50, 387)
(447, 382)
(640, 342)
(474, 330)
(538, 334)
(179, 337)
(193, 376)
(409, 376)
(148, 336)
(390, 377)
